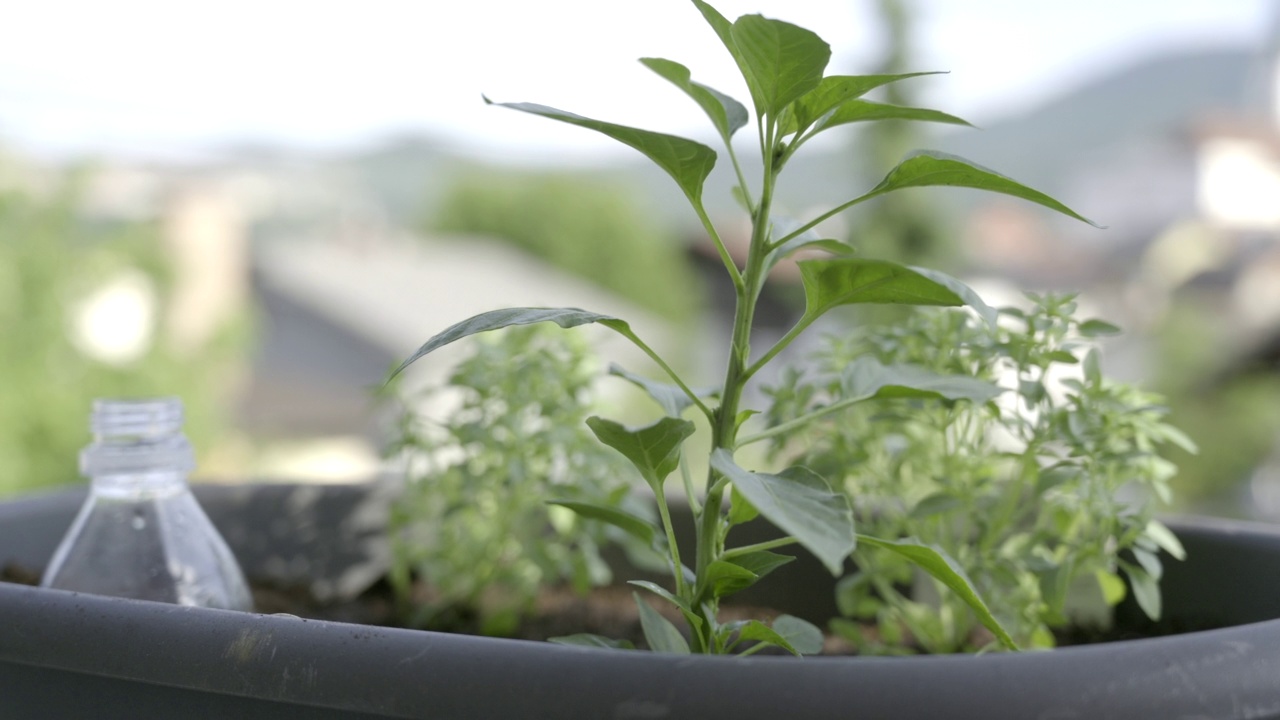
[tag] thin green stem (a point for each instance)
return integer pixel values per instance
(725, 257)
(678, 571)
(686, 479)
(672, 374)
(779, 346)
(757, 547)
(742, 180)
(795, 423)
(824, 216)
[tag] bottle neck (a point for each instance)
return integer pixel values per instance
(139, 485)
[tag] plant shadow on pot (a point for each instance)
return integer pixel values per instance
(70, 655)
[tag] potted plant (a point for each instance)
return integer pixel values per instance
(69, 654)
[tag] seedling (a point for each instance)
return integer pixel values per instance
(792, 102)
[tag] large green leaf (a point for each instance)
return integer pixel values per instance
(653, 449)
(498, 319)
(724, 30)
(727, 114)
(928, 168)
(661, 634)
(801, 504)
(833, 91)
(785, 60)
(636, 526)
(868, 377)
(848, 280)
(935, 561)
(852, 111)
(687, 162)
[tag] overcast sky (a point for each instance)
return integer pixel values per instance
(156, 77)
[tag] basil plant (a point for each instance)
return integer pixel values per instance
(792, 101)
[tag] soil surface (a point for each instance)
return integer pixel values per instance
(607, 611)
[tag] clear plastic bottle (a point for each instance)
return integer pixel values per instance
(141, 534)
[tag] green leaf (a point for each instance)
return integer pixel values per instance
(868, 377)
(1112, 587)
(740, 509)
(784, 60)
(498, 319)
(801, 504)
(829, 283)
(658, 631)
(783, 226)
(687, 162)
(621, 519)
(935, 504)
(964, 292)
(1063, 356)
(761, 562)
(726, 578)
(673, 400)
(935, 561)
(593, 641)
(1093, 367)
(802, 634)
(1098, 328)
(653, 449)
(1164, 537)
(689, 615)
(833, 91)
(727, 114)
(1145, 590)
(852, 111)
(928, 168)
(724, 30)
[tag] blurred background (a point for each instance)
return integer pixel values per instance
(265, 207)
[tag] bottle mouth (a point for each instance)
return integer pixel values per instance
(137, 436)
(127, 420)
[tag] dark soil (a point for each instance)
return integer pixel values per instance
(607, 611)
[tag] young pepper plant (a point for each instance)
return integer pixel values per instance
(783, 66)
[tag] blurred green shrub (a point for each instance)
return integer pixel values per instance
(52, 262)
(473, 523)
(588, 225)
(1035, 494)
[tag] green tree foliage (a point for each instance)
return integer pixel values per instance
(587, 225)
(50, 260)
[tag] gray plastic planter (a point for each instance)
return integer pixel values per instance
(78, 656)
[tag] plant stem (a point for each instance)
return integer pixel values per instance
(757, 547)
(678, 569)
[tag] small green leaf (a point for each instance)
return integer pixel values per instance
(803, 636)
(1164, 537)
(1063, 356)
(592, 641)
(834, 90)
(498, 319)
(867, 377)
(935, 561)
(670, 398)
(852, 111)
(653, 449)
(726, 578)
(1149, 562)
(801, 504)
(658, 631)
(1112, 587)
(687, 162)
(689, 615)
(935, 504)
(1093, 367)
(1145, 590)
(621, 519)
(1098, 328)
(761, 562)
(829, 283)
(784, 60)
(727, 114)
(929, 168)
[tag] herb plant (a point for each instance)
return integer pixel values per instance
(783, 66)
(1034, 494)
(471, 522)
